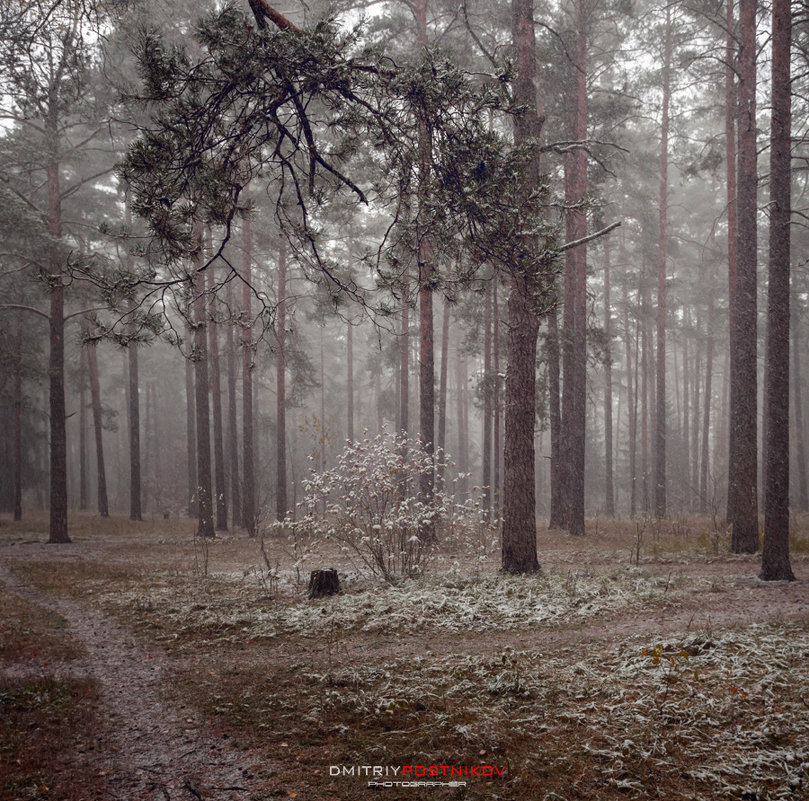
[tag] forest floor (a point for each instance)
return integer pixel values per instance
(644, 661)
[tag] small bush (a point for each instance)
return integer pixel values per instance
(369, 505)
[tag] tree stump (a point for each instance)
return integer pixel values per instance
(323, 583)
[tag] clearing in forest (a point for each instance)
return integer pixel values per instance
(642, 662)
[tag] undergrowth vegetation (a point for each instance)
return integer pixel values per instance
(642, 662)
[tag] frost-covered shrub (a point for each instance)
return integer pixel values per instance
(368, 504)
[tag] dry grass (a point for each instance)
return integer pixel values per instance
(565, 678)
(44, 727)
(30, 631)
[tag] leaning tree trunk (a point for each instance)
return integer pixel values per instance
(775, 563)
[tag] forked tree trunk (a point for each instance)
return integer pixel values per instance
(775, 563)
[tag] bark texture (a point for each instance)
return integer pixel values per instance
(775, 563)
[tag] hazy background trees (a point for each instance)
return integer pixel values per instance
(297, 317)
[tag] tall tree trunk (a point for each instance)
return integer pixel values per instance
(744, 383)
(497, 422)
(133, 400)
(486, 478)
(775, 563)
(83, 492)
(574, 390)
(56, 361)
(18, 424)
(216, 398)
(662, 245)
(557, 517)
(404, 368)
(632, 407)
(694, 450)
(281, 506)
(731, 112)
(609, 489)
(442, 392)
(800, 434)
(205, 527)
(426, 281)
(95, 396)
(644, 392)
(706, 414)
(191, 416)
(233, 429)
(248, 352)
(463, 422)
(519, 542)
(349, 382)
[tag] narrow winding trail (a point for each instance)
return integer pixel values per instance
(143, 748)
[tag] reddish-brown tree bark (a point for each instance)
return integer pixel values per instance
(744, 382)
(519, 547)
(775, 563)
(574, 352)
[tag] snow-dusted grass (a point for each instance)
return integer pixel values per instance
(711, 715)
(237, 608)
